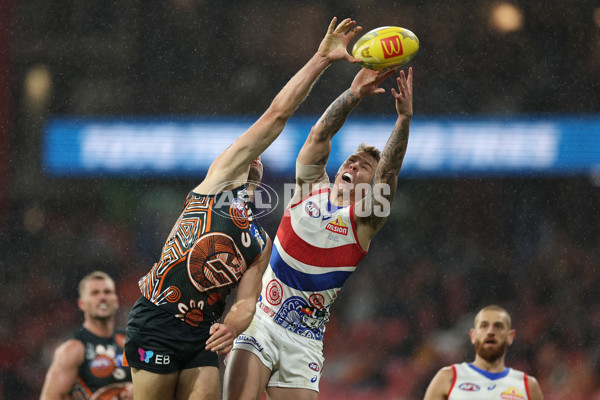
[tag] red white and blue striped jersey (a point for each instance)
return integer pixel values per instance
(472, 383)
(316, 249)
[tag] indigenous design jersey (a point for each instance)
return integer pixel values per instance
(102, 374)
(472, 383)
(207, 252)
(315, 251)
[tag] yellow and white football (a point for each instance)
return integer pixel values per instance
(385, 48)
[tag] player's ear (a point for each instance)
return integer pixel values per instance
(80, 304)
(511, 336)
(472, 335)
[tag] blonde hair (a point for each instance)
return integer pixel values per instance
(370, 150)
(493, 307)
(99, 275)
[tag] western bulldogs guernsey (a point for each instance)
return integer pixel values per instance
(102, 366)
(314, 252)
(471, 383)
(210, 247)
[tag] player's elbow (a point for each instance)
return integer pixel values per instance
(280, 112)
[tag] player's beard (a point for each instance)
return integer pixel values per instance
(490, 354)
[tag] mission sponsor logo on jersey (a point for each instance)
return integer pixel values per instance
(511, 394)
(469, 387)
(338, 226)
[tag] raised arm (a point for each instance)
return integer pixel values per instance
(63, 371)
(317, 147)
(242, 311)
(373, 210)
(233, 163)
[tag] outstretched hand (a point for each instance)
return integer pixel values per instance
(335, 42)
(366, 82)
(221, 339)
(404, 96)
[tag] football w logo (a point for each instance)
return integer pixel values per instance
(392, 47)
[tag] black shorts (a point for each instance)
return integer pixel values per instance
(158, 342)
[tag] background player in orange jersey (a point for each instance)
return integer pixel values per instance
(89, 365)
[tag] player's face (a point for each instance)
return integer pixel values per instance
(99, 300)
(256, 170)
(491, 335)
(358, 168)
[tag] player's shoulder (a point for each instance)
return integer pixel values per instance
(448, 370)
(71, 350)
(440, 385)
(535, 391)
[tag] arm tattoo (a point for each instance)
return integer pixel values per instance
(388, 169)
(335, 115)
(393, 152)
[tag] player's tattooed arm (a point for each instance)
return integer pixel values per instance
(317, 147)
(386, 174)
(333, 119)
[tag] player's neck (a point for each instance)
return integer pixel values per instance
(101, 328)
(496, 366)
(340, 199)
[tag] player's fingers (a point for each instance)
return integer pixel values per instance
(345, 25)
(382, 76)
(353, 32)
(332, 25)
(220, 344)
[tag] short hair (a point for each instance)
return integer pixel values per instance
(370, 150)
(493, 307)
(99, 275)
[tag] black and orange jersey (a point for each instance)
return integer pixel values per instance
(102, 367)
(208, 250)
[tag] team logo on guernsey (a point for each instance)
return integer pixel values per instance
(239, 214)
(469, 387)
(274, 292)
(338, 226)
(102, 366)
(215, 261)
(317, 300)
(312, 209)
(511, 394)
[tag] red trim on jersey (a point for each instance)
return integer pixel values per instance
(354, 228)
(347, 255)
(309, 195)
(125, 363)
(526, 382)
(454, 376)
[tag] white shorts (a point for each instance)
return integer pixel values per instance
(294, 361)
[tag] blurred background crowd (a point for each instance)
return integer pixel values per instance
(529, 243)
